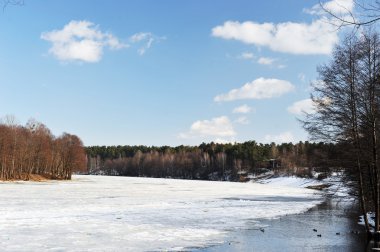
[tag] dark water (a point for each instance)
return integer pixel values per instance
(335, 221)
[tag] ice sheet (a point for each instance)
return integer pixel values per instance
(101, 213)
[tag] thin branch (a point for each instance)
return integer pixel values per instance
(344, 21)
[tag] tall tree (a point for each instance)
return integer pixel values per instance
(347, 111)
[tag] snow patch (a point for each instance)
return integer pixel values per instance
(337, 187)
(371, 219)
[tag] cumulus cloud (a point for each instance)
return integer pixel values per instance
(216, 127)
(80, 41)
(302, 107)
(260, 88)
(243, 109)
(285, 137)
(145, 39)
(316, 37)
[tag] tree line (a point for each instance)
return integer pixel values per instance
(33, 150)
(347, 111)
(209, 161)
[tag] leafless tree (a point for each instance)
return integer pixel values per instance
(32, 149)
(347, 111)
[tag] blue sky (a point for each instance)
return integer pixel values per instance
(164, 72)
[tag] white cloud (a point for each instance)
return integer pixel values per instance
(302, 107)
(223, 141)
(336, 7)
(246, 55)
(146, 39)
(217, 127)
(260, 88)
(80, 41)
(285, 137)
(317, 37)
(140, 36)
(243, 109)
(261, 60)
(242, 120)
(266, 61)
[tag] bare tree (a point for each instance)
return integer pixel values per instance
(347, 111)
(32, 149)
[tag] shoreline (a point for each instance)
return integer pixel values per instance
(334, 220)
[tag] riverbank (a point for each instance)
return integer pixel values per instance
(329, 226)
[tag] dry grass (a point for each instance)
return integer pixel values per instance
(36, 177)
(33, 177)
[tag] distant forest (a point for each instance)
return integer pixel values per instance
(213, 161)
(30, 150)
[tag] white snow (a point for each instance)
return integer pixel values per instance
(291, 181)
(98, 213)
(337, 187)
(370, 217)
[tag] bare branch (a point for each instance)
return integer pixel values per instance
(370, 14)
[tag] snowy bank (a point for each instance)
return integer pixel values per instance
(371, 220)
(332, 185)
(137, 214)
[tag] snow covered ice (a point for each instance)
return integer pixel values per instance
(100, 213)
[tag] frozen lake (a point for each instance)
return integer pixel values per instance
(137, 214)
